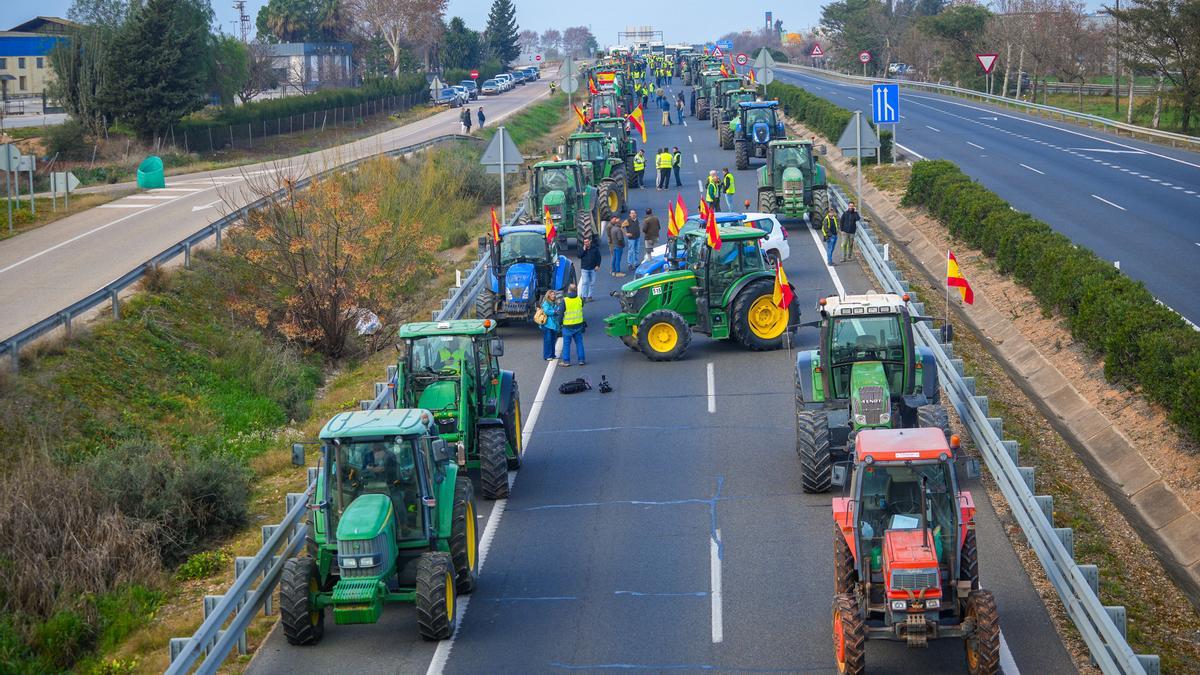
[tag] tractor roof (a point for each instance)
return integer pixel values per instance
(618, 120)
(554, 164)
(789, 142)
(900, 445)
(585, 135)
(867, 303)
(517, 229)
(733, 233)
(375, 423)
(458, 327)
(758, 104)
(723, 217)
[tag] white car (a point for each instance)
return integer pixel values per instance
(505, 81)
(464, 96)
(775, 244)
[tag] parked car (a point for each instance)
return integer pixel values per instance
(535, 71)
(505, 81)
(775, 244)
(447, 97)
(490, 88)
(519, 77)
(472, 88)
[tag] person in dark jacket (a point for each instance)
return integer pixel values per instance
(616, 245)
(633, 240)
(480, 116)
(589, 262)
(676, 164)
(848, 224)
(650, 231)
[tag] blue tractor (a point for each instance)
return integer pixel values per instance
(524, 266)
(755, 125)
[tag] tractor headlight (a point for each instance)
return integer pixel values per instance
(885, 418)
(899, 605)
(368, 561)
(348, 563)
(860, 419)
(933, 603)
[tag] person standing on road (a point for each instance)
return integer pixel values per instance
(676, 164)
(480, 116)
(633, 240)
(848, 225)
(650, 231)
(679, 108)
(467, 119)
(616, 245)
(552, 308)
(589, 262)
(639, 167)
(665, 106)
(712, 191)
(664, 169)
(573, 326)
(729, 188)
(829, 232)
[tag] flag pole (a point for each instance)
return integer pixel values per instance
(947, 282)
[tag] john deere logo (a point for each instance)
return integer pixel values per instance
(356, 548)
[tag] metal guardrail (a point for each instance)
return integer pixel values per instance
(1132, 129)
(1077, 586)
(111, 292)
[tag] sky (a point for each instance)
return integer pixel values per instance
(687, 21)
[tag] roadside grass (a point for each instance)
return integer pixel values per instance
(531, 124)
(25, 220)
(1170, 118)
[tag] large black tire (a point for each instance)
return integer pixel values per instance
(512, 428)
(664, 335)
(934, 416)
(437, 600)
(725, 136)
(702, 109)
(493, 463)
(630, 174)
(820, 206)
(968, 561)
(983, 645)
(464, 537)
(741, 154)
(844, 574)
(302, 624)
(603, 193)
(584, 223)
(621, 185)
(849, 636)
(812, 447)
(715, 116)
(485, 304)
(766, 201)
(754, 320)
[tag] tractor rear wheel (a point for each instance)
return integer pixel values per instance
(766, 201)
(621, 187)
(758, 323)
(713, 117)
(485, 304)
(608, 200)
(437, 600)
(702, 109)
(303, 624)
(741, 155)
(493, 463)
(812, 446)
(968, 561)
(934, 416)
(584, 224)
(726, 138)
(512, 428)
(820, 205)
(849, 635)
(630, 174)
(844, 574)
(464, 537)
(664, 335)
(983, 645)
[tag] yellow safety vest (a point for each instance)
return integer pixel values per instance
(664, 160)
(729, 186)
(573, 316)
(639, 162)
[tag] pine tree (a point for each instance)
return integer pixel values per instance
(502, 31)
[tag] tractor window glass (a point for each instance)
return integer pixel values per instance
(385, 466)
(892, 499)
(866, 338)
(527, 246)
(757, 115)
(590, 149)
(441, 354)
(556, 179)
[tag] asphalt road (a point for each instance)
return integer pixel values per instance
(1129, 201)
(47, 269)
(662, 527)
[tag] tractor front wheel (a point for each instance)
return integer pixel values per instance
(741, 154)
(758, 323)
(812, 446)
(983, 645)
(702, 109)
(849, 635)
(726, 137)
(437, 600)
(934, 417)
(968, 561)
(464, 540)
(663, 335)
(512, 428)
(820, 207)
(303, 623)
(766, 201)
(485, 304)
(493, 463)
(844, 574)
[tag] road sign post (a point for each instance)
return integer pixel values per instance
(864, 57)
(856, 138)
(502, 157)
(816, 53)
(474, 74)
(10, 158)
(988, 62)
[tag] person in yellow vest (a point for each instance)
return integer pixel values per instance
(664, 169)
(712, 191)
(730, 188)
(573, 326)
(639, 166)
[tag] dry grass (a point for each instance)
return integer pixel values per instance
(24, 220)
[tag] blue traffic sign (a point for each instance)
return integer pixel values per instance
(725, 45)
(885, 103)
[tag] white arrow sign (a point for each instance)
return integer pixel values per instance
(206, 206)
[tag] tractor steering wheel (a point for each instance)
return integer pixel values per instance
(894, 507)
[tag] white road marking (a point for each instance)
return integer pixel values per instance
(695, 159)
(851, 98)
(161, 197)
(102, 206)
(206, 206)
(1121, 152)
(712, 389)
(714, 557)
(685, 123)
(1008, 665)
(910, 151)
(837, 281)
(176, 189)
(1109, 203)
(976, 146)
(1032, 169)
(933, 128)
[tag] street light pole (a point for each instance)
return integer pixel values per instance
(1117, 67)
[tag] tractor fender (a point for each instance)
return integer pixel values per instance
(507, 381)
(563, 272)
(485, 422)
(805, 362)
(929, 375)
(818, 175)
(737, 287)
(493, 281)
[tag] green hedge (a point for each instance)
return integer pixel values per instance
(487, 70)
(823, 117)
(1142, 342)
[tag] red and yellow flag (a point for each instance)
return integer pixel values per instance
(955, 279)
(495, 227)
(782, 295)
(711, 231)
(638, 121)
(579, 114)
(679, 211)
(551, 231)
(752, 80)
(724, 71)
(592, 86)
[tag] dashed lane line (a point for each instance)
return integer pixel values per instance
(976, 145)
(1109, 203)
(1043, 173)
(933, 128)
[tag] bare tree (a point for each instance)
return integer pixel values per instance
(403, 23)
(260, 74)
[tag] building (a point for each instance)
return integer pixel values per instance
(25, 56)
(302, 67)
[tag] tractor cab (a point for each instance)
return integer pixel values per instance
(604, 170)
(674, 253)
(792, 182)
(615, 128)
(606, 105)
(593, 148)
(524, 266)
(563, 187)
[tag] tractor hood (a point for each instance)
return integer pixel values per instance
(761, 132)
(519, 280)
(905, 548)
(910, 564)
(870, 402)
(792, 173)
(554, 198)
(441, 396)
(365, 518)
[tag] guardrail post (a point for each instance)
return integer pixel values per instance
(1091, 573)
(115, 297)
(1046, 504)
(1026, 475)
(217, 234)
(66, 321)
(1150, 662)
(1013, 448)
(391, 373)
(312, 474)
(187, 255)
(365, 405)
(15, 348)
(177, 645)
(1067, 536)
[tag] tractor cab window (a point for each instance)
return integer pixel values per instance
(590, 149)
(523, 246)
(858, 338)
(561, 178)
(796, 156)
(729, 264)
(440, 354)
(384, 466)
(757, 115)
(891, 499)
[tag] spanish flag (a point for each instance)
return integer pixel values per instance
(783, 295)
(711, 231)
(551, 231)
(579, 114)
(495, 227)
(679, 211)
(955, 278)
(724, 71)
(592, 86)
(753, 81)
(638, 120)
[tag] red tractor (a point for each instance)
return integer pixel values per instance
(904, 554)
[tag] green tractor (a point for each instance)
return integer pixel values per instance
(452, 368)
(604, 168)
(728, 109)
(563, 187)
(614, 128)
(792, 182)
(391, 520)
(726, 294)
(717, 113)
(703, 92)
(754, 127)
(866, 374)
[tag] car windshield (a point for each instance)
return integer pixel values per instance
(589, 149)
(439, 353)
(555, 179)
(891, 500)
(384, 466)
(764, 224)
(529, 246)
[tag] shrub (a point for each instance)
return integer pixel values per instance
(67, 140)
(62, 637)
(120, 613)
(203, 565)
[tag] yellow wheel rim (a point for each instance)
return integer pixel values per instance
(450, 598)
(767, 320)
(517, 428)
(613, 202)
(662, 337)
(314, 615)
(471, 544)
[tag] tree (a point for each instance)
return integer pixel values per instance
(416, 24)
(260, 72)
(1168, 35)
(550, 41)
(304, 21)
(230, 68)
(460, 45)
(501, 31)
(528, 41)
(578, 41)
(157, 69)
(962, 28)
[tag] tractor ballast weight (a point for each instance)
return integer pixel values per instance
(604, 168)
(564, 187)
(905, 560)
(392, 520)
(754, 127)
(792, 182)
(725, 294)
(867, 373)
(522, 268)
